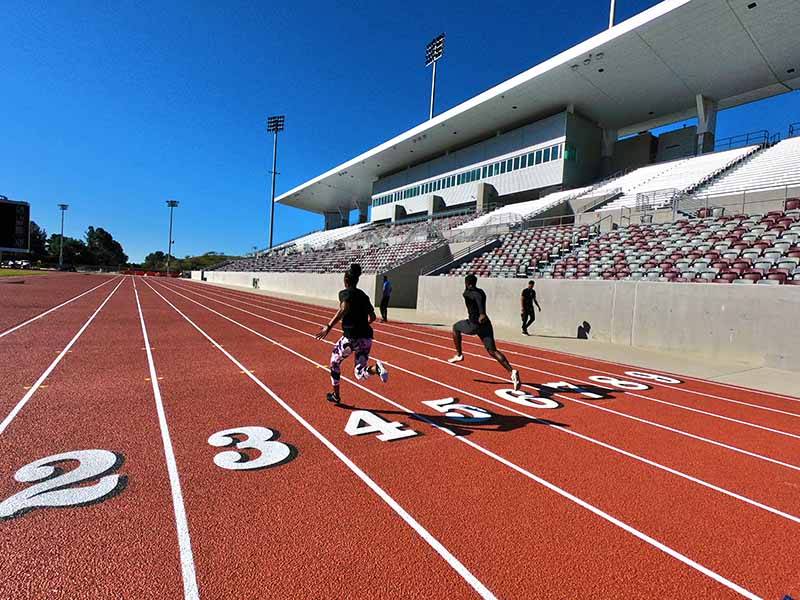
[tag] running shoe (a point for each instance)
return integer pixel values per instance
(383, 372)
(456, 358)
(515, 379)
(331, 397)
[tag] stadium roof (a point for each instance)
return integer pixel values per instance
(642, 73)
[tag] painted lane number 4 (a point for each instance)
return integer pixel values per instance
(363, 422)
(262, 439)
(58, 487)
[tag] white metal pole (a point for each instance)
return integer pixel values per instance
(61, 242)
(611, 15)
(272, 195)
(433, 88)
(169, 246)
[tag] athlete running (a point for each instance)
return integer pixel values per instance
(357, 314)
(479, 324)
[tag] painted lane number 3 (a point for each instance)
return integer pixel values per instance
(58, 487)
(262, 439)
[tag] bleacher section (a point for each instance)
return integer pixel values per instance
(739, 249)
(377, 249)
(513, 213)
(320, 239)
(673, 178)
(775, 167)
(523, 252)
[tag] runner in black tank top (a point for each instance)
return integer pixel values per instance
(479, 324)
(356, 314)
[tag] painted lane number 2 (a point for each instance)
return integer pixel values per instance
(58, 487)
(261, 439)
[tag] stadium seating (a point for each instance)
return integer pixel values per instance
(674, 178)
(522, 253)
(774, 167)
(721, 250)
(514, 213)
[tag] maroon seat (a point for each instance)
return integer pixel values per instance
(777, 277)
(792, 282)
(728, 276)
(721, 280)
(779, 271)
(752, 275)
(792, 203)
(719, 264)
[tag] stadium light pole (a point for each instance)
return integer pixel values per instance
(433, 52)
(63, 208)
(172, 204)
(612, 14)
(274, 125)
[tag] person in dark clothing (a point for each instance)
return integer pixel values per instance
(387, 293)
(527, 300)
(479, 324)
(356, 314)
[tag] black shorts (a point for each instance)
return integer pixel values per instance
(483, 331)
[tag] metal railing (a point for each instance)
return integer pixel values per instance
(752, 138)
(691, 205)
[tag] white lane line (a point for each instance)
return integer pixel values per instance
(622, 367)
(552, 487)
(631, 393)
(562, 396)
(544, 421)
(47, 312)
(456, 565)
(190, 591)
(7, 421)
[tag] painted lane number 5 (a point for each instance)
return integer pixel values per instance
(462, 413)
(262, 439)
(57, 486)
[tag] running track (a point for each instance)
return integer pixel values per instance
(170, 439)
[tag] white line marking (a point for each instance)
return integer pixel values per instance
(542, 420)
(552, 487)
(184, 542)
(294, 306)
(648, 398)
(47, 312)
(7, 421)
(562, 396)
(473, 581)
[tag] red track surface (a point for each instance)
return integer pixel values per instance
(681, 490)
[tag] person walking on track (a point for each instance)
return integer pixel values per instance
(387, 293)
(527, 300)
(478, 323)
(356, 314)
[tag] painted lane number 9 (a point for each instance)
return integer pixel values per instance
(57, 486)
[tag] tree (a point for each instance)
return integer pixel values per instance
(103, 249)
(75, 252)
(155, 261)
(38, 242)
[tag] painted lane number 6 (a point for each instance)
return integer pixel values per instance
(262, 439)
(57, 485)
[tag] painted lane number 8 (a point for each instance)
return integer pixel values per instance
(57, 486)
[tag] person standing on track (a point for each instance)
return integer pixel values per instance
(527, 300)
(387, 293)
(479, 324)
(356, 314)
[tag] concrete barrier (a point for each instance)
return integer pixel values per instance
(756, 324)
(312, 285)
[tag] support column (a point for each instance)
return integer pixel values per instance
(608, 142)
(706, 124)
(363, 212)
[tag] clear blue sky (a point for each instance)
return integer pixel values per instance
(116, 107)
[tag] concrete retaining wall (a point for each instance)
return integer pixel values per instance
(756, 324)
(312, 285)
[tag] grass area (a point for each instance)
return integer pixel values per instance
(17, 272)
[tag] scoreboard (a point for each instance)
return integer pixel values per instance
(15, 225)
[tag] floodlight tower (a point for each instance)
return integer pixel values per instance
(274, 125)
(63, 208)
(172, 204)
(433, 52)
